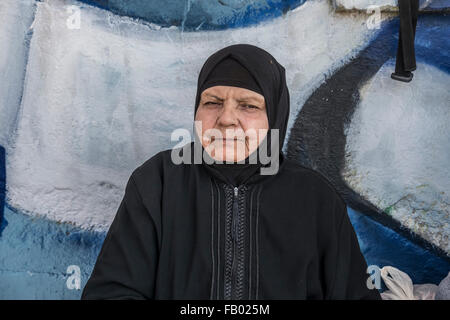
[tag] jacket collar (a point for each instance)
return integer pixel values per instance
(252, 177)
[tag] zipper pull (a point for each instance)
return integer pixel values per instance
(234, 216)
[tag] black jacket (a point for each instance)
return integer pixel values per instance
(182, 233)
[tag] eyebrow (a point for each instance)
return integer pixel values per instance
(244, 99)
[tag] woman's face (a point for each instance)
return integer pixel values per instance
(233, 122)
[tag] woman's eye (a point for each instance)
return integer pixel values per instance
(251, 106)
(211, 102)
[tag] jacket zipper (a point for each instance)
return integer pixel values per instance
(234, 238)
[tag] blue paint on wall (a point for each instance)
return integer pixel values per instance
(432, 42)
(192, 15)
(383, 247)
(2, 188)
(35, 253)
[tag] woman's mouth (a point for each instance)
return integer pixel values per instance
(228, 140)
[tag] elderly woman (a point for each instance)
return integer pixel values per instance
(234, 225)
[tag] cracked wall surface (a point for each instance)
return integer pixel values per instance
(105, 82)
(194, 15)
(35, 254)
(79, 106)
(389, 5)
(397, 150)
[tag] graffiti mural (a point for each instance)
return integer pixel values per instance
(86, 81)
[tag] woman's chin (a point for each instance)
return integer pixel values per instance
(227, 156)
(227, 152)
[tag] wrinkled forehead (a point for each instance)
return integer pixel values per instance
(260, 64)
(220, 92)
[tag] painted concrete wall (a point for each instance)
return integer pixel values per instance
(197, 15)
(82, 109)
(389, 5)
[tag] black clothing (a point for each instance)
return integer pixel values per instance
(234, 172)
(182, 231)
(406, 58)
(173, 238)
(405, 77)
(270, 77)
(229, 72)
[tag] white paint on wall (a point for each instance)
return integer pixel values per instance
(16, 17)
(102, 99)
(389, 5)
(364, 4)
(398, 150)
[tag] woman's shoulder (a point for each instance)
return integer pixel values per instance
(162, 161)
(151, 168)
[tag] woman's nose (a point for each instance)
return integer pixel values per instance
(228, 115)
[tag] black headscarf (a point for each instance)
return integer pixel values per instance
(250, 67)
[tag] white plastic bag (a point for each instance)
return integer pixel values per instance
(443, 292)
(401, 287)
